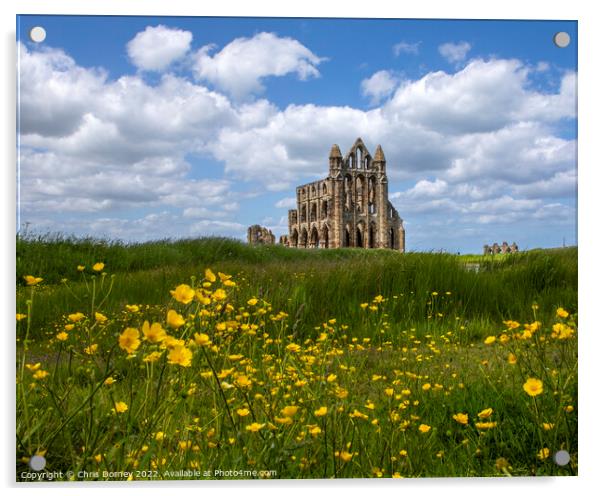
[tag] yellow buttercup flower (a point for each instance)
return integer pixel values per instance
(345, 456)
(174, 319)
(485, 425)
(202, 339)
(284, 420)
(32, 281)
(21, 316)
(33, 367)
(99, 317)
(121, 407)
(320, 412)
(219, 294)
(242, 412)
(533, 387)
(461, 418)
(254, 427)
(132, 308)
(562, 313)
(109, 381)
(210, 276)
(180, 355)
(62, 336)
(512, 359)
(243, 381)
(81, 268)
(40, 374)
(183, 293)
(153, 333)
(424, 428)
(90, 350)
(76, 317)
(98, 266)
(289, 411)
(489, 340)
(485, 413)
(252, 302)
(543, 453)
(129, 340)
(153, 357)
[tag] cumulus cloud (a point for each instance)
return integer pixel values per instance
(155, 48)
(379, 86)
(405, 47)
(454, 52)
(240, 66)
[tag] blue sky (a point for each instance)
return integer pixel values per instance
(150, 127)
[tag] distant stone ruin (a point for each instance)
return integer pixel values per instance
(496, 249)
(259, 235)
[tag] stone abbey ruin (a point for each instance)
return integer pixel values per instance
(349, 208)
(496, 249)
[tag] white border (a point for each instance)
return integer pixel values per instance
(590, 85)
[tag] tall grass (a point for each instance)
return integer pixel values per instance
(311, 285)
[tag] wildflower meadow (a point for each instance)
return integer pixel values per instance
(212, 359)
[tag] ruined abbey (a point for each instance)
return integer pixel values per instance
(349, 208)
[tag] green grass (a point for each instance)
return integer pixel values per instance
(429, 328)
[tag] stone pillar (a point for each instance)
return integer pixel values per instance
(382, 195)
(337, 212)
(402, 237)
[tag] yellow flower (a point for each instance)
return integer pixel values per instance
(174, 319)
(424, 428)
(21, 316)
(512, 359)
(389, 391)
(533, 387)
(289, 411)
(242, 412)
(76, 317)
(32, 367)
(547, 426)
(485, 413)
(254, 427)
(180, 355)
(62, 336)
(98, 266)
(128, 340)
(489, 340)
(403, 453)
(98, 458)
(243, 381)
(210, 276)
(283, 420)
(543, 453)
(562, 313)
(331, 378)
(426, 386)
(202, 339)
(315, 430)
(41, 374)
(364, 305)
(461, 418)
(120, 406)
(152, 357)
(153, 333)
(100, 317)
(132, 308)
(252, 302)
(90, 350)
(569, 408)
(485, 425)
(109, 381)
(293, 347)
(320, 412)
(32, 281)
(81, 268)
(159, 436)
(219, 294)
(345, 456)
(183, 293)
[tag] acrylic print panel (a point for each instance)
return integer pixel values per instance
(295, 248)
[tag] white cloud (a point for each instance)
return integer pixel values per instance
(155, 48)
(405, 47)
(240, 66)
(289, 202)
(454, 52)
(379, 86)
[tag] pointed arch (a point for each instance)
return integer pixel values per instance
(294, 239)
(324, 242)
(303, 239)
(314, 238)
(372, 235)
